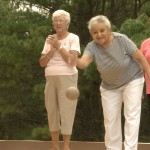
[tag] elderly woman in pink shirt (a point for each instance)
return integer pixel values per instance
(59, 57)
(145, 48)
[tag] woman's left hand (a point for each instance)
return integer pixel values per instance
(52, 39)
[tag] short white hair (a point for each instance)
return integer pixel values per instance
(99, 19)
(63, 13)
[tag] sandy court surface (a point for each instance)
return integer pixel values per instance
(45, 145)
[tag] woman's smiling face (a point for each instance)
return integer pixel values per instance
(101, 34)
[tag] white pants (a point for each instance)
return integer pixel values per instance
(130, 94)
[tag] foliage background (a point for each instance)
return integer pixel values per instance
(22, 35)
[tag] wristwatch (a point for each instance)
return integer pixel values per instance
(60, 48)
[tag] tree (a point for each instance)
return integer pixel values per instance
(22, 81)
(21, 78)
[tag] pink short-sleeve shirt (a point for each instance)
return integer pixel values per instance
(57, 65)
(145, 49)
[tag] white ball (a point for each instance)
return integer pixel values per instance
(72, 93)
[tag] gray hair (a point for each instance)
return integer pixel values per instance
(99, 19)
(59, 13)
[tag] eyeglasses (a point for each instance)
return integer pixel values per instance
(59, 21)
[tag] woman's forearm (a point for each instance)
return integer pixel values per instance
(142, 60)
(84, 61)
(44, 59)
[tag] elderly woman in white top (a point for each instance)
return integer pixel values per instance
(59, 57)
(120, 64)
